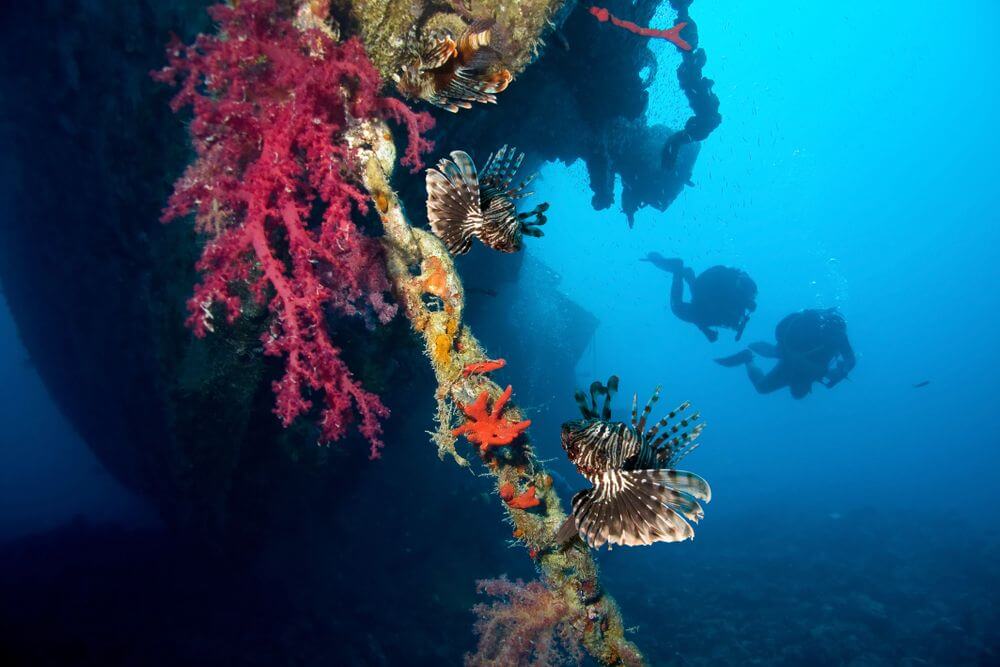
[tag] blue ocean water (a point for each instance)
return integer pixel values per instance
(855, 168)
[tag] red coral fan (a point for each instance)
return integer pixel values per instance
(273, 186)
(520, 502)
(482, 367)
(672, 34)
(488, 428)
(527, 625)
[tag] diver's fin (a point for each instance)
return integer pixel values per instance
(766, 350)
(453, 207)
(640, 507)
(743, 357)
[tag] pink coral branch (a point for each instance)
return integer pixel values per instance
(274, 186)
(527, 624)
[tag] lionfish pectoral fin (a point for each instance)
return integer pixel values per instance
(499, 81)
(687, 482)
(438, 54)
(640, 507)
(567, 532)
(482, 58)
(476, 38)
(468, 86)
(449, 105)
(453, 207)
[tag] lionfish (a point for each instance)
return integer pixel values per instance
(637, 497)
(462, 204)
(453, 75)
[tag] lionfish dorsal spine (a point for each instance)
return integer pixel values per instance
(672, 458)
(674, 428)
(646, 410)
(651, 433)
(672, 451)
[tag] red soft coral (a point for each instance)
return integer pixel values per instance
(273, 185)
(488, 428)
(527, 625)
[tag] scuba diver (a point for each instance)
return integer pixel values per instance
(812, 346)
(720, 297)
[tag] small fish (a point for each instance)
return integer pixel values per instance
(923, 383)
(452, 75)
(637, 497)
(462, 204)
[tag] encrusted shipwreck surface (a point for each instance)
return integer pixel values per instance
(395, 30)
(585, 98)
(97, 285)
(420, 267)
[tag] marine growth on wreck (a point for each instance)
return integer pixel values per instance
(436, 332)
(295, 112)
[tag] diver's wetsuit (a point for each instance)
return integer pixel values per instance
(720, 297)
(812, 346)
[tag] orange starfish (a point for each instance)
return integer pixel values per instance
(487, 428)
(521, 502)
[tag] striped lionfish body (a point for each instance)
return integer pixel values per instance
(463, 204)
(452, 75)
(637, 498)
